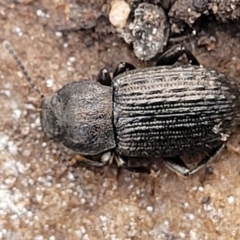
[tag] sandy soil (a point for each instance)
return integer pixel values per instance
(39, 199)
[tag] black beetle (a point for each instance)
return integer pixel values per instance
(164, 111)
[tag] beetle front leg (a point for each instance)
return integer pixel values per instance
(172, 55)
(104, 77)
(177, 165)
(106, 159)
(123, 67)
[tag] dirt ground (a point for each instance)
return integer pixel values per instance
(39, 199)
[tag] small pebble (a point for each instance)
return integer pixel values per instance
(230, 199)
(119, 13)
(149, 209)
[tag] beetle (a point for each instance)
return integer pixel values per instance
(164, 111)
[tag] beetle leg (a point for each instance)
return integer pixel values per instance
(171, 56)
(207, 159)
(138, 169)
(120, 161)
(104, 77)
(122, 67)
(124, 163)
(177, 165)
(89, 162)
(191, 58)
(107, 157)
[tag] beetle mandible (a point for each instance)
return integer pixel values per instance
(163, 111)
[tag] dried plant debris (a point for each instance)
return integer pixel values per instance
(79, 16)
(188, 11)
(148, 31)
(165, 4)
(225, 9)
(146, 24)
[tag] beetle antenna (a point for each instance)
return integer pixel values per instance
(12, 52)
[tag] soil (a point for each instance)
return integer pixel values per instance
(41, 199)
